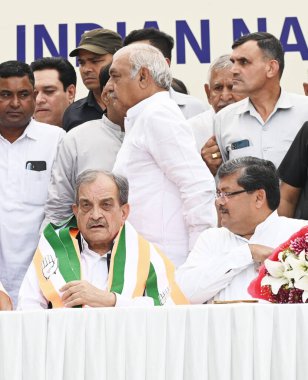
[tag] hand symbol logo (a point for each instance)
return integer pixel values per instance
(49, 266)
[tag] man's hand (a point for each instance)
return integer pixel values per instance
(211, 155)
(83, 293)
(260, 252)
(5, 302)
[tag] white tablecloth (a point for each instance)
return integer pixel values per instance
(216, 342)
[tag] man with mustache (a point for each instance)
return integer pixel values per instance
(265, 123)
(93, 53)
(225, 260)
(97, 259)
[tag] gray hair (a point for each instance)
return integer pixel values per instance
(144, 55)
(221, 63)
(255, 174)
(89, 176)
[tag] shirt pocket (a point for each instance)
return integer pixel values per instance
(35, 187)
(243, 152)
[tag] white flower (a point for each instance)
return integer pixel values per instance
(299, 266)
(302, 284)
(277, 275)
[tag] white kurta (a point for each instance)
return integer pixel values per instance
(221, 265)
(171, 189)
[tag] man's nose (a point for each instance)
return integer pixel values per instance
(234, 68)
(86, 67)
(40, 98)
(220, 201)
(15, 101)
(96, 212)
(226, 94)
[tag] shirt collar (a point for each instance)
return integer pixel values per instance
(91, 101)
(263, 225)
(284, 102)
(135, 111)
(32, 131)
(110, 124)
(268, 221)
(85, 250)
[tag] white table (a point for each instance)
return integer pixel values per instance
(216, 342)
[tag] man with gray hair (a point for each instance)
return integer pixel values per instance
(219, 93)
(172, 193)
(225, 260)
(97, 259)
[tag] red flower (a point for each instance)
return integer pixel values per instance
(295, 244)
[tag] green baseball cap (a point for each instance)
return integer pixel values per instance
(99, 41)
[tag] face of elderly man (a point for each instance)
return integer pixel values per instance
(219, 91)
(99, 213)
(124, 89)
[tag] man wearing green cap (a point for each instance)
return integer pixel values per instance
(95, 51)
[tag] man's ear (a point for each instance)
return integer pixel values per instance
(71, 93)
(125, 212)
(207, 91)
(305, 85)
(260, 198)
(75, 209)
(144, 76)
(273, 68)
(168, 61)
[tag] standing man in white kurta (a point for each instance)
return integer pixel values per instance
(172, 191)
(27, 151)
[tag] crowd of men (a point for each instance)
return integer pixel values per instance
(139, 194)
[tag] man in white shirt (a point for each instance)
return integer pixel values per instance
(27, 151)
(98, 259)
(225, 260)
(172, 191)
(264, 124)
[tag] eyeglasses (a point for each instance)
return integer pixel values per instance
(226, 195)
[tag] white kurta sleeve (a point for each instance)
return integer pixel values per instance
(172, 145)
(30, 294)
(214, 261)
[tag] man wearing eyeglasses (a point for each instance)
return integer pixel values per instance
(225, 260)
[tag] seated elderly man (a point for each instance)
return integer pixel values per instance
(225, 260)
(100, 260)
(5, 300)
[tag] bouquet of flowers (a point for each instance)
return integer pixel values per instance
(283, 278)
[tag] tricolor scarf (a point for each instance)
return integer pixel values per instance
(136, 266)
